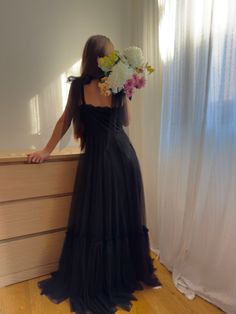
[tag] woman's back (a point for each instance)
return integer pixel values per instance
(93, 96)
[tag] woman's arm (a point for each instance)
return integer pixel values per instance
(58, 132)
(127, 112)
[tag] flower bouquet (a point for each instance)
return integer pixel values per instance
(124, 72)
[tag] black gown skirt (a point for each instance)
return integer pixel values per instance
(106, 252)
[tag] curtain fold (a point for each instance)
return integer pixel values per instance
(186, 135)
(197, 154)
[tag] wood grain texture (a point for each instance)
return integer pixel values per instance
(23, 258)
(33, 215)
(23, 181)
(34, 209)
(24, 297)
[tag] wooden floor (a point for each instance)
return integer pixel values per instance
(24, 298)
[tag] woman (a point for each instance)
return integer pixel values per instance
(105, 255)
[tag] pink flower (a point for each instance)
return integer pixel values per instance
(129, 92)
(129, 83)
(141, 82)
(134, 80)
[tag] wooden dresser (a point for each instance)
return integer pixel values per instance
(34, 208)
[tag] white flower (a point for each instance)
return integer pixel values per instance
(121, 72)
(135, 56)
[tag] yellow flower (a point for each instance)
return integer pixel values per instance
(149, 69)
(108, 61)
(104, 88)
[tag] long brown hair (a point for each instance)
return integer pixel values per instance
(95, 46)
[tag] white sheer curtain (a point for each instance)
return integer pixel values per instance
(184, 129)
(197, 154)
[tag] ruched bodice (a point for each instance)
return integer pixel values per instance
(98, 118)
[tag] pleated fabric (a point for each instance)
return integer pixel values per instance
(106, 251)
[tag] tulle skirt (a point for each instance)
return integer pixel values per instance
(106, 251)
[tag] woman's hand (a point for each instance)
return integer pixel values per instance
(38, 156)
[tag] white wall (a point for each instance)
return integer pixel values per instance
(40, 41)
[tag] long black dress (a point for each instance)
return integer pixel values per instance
(106, 249)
